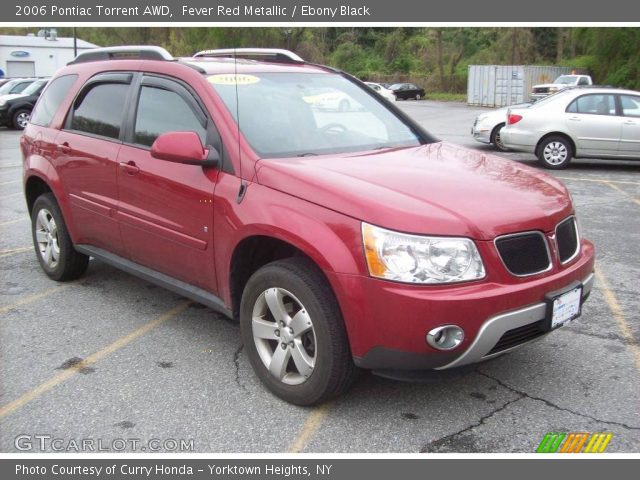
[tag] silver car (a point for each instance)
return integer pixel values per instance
(577, 122)
(487, 126)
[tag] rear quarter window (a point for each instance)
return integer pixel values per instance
(51, 99)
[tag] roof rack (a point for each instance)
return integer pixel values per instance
(134, 52)
(269, 54)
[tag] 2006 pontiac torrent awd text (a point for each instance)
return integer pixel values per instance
(340, 237)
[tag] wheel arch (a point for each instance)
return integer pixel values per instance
(33, 188)
(556, 134)
(258, 249)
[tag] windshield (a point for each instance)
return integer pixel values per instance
(298, 114)
(6, 88)
(34, 87)
(566, 80)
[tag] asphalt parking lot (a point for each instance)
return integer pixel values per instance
(121, 362)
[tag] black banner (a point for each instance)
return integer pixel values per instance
(369, 469)
(317, 11)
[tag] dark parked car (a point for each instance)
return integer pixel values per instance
(16, 111)
(405, 91)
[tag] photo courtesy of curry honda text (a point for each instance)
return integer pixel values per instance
(340, 238)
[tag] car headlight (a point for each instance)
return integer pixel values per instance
(2, 103)
(553, 89)
(420, 259)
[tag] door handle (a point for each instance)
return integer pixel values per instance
(574, 119)
(130, 167)
(630, 122)
(63, 148)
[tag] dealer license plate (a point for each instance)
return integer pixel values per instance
(566, 307)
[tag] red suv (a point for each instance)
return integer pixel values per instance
(340, 238)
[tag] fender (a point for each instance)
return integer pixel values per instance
(38, 166)
(330, 239)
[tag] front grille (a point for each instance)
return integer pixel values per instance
(567, 239)
(524, 253)
(541, 90)
(518, 336)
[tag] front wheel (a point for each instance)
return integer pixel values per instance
(293, 333)
(555, 152)
(21, 119)
(57, 257)
(496, 138)
(418, 97)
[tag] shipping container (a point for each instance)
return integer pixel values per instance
(503, 85)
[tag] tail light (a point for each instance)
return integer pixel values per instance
(513, 118)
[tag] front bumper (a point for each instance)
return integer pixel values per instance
(538, 96)
(387, 322)
(493, 329)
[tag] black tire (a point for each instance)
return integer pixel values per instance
(70, 264)
(333, 371)
(18, 118)
(555, 152)
(495, 138)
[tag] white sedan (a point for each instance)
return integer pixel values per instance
(384, 92)
(577, 122)
(487, 126)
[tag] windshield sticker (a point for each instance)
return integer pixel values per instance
(232, 79)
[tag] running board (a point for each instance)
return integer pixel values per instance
(178, 286)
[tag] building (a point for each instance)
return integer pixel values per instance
(36, 55)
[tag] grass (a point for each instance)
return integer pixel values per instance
(446, 96)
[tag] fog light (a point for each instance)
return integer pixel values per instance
(446, 337)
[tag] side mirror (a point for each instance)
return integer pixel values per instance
(184, 147)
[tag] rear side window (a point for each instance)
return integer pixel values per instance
(161, 111)
(630, 105)
(594, 105)
(100, 110)
(51, 100)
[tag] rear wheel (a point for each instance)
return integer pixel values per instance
(293, 333)
(418, 97)
(555, 152)
(52, 243)
(496, 139)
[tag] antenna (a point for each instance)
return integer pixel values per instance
(243, 185)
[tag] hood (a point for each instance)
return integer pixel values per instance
(10, 96)
(438, 189)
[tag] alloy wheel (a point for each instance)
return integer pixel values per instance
(47, 238)
(284, 336)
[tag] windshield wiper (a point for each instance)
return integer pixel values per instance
(308, 154)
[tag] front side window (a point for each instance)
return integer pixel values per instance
(160, 111)
(597, 104)
(51, 100)
(299, 114)
(100, 110)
